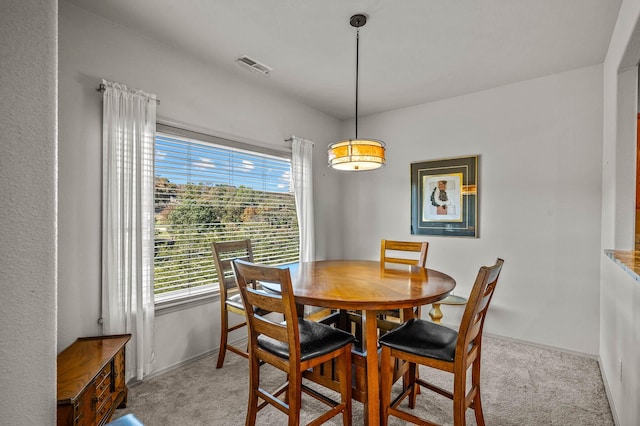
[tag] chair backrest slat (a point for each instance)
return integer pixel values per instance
(268, 302)
(404, 246)
(270, 328)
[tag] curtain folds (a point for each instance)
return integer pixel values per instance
(129, 120)
(302, 175)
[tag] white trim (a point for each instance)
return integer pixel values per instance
(254, 144)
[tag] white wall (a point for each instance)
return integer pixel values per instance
(620, 294)
(28, 83)
(620, 341)
(193, 94)
(539, 143)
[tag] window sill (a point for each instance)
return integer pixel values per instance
(178, 302)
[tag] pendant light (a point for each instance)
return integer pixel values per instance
(357, 154)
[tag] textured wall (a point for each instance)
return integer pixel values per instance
(192, 94)
(28, 30)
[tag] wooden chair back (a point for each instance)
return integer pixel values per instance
(414, 253)
(256, 301)
(389, 251)
(223, 253)
(472, 323)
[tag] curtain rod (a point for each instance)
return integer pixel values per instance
(102, 88)
(291, 140)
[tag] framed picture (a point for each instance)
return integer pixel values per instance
(444, 197)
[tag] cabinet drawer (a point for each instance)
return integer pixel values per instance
(103, 392)
(104, 377)
(102, 412)
(103, 395)
(103, 385)
(84, 413)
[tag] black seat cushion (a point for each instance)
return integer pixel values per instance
(315, 340)
(423, 338)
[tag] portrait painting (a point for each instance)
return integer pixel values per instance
(444, 197)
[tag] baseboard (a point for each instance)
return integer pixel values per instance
(540, 345)
(238, 342)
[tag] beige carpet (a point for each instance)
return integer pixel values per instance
(521, 385)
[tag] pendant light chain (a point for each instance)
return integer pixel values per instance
(357, 74)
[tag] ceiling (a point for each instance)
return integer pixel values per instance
(411, 51)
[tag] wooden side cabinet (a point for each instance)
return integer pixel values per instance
(91, 382)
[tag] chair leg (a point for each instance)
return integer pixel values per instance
(413, 375)
(344, 375)
(459, 398)
(386, 374)
(475, 383)
(224, 331)
(294, 396)
(254, 384)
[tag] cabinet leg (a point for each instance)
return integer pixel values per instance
(123, 404)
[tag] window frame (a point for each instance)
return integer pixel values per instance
(182, 299)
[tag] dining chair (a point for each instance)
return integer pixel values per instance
(398, 252)
(293, 346)
(390, 252)
(421, 342)
(393, 247)
(230, 301)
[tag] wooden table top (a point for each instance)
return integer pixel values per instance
(365, 285)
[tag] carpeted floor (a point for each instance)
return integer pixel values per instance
(521, 385)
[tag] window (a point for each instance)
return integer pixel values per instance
(208, 188)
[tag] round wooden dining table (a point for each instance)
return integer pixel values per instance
(367, 286)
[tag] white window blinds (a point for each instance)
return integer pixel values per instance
(206, 191)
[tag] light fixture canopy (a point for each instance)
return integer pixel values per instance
(358, 154)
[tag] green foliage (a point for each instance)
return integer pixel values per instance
(190, 216)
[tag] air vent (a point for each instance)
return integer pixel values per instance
(254, 65)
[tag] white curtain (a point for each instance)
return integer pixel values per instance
(302, 175)
(129, 125)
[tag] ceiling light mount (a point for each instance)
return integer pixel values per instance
(357, 154)
(358, 20)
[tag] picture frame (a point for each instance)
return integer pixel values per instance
(444, 197)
